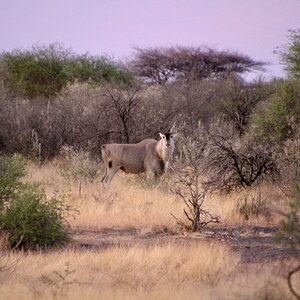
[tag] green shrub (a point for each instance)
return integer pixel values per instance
(278, 121)
(39, 72)
(34, 222)
(31, 220)
(11, 170)
(46, 70)
(87, 68)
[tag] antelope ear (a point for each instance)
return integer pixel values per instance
(161, 135)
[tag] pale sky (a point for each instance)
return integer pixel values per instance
(115, 27)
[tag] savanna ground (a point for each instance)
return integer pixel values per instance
(126, 245)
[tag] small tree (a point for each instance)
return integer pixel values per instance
(191, 188)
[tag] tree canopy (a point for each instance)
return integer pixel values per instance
(160, 65)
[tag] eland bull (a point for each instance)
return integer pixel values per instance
(150, 156)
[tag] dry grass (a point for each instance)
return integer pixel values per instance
(128, 204)
(135, 271)
(208, 271)
(169, 271)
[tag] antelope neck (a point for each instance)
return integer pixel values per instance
(160, 151)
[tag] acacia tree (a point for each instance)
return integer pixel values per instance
(160, 65)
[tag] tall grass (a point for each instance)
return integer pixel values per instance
(129, 204)
(137, 271)
(194, 271)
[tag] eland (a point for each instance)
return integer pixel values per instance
(150, 156)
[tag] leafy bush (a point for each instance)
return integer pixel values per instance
(33, 222)
(290, 224)
(290, 233)
(30, 219)
(278, 121)
(46, 70)
(11, 170)
(38, 72)
(87, 68)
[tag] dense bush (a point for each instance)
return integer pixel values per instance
(83, 117)
(42, 128)
(232, 167)
(34, 222)
(30, 219)
(46, 70)
(280, 117)
(238, 102)
(86, 68)
(39, 72)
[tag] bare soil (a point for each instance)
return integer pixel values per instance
(254, 244)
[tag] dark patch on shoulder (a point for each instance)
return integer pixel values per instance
(110, 164)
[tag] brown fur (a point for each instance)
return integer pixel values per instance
(145, 156)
